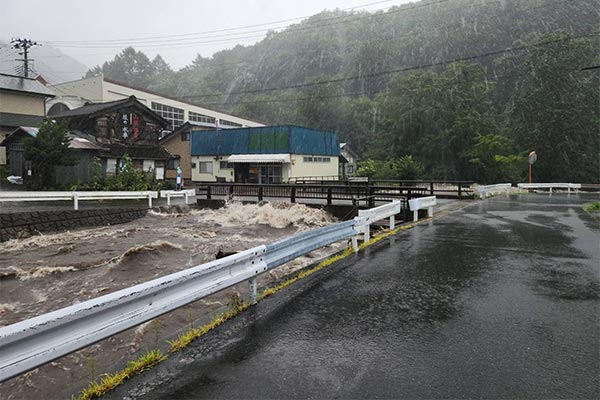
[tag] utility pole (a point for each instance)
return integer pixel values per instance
(25, 45)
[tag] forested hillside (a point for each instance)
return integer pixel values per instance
(454, 89)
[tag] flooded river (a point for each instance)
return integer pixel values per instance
(48, 272)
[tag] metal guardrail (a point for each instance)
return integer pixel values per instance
(376, 214)
(550, 186)
(76, 197)
(177, 193)
(422, 203)
(36, 341)
(488, 190)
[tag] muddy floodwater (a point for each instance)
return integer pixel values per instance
(51, 271)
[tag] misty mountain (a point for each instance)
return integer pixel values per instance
(54, 65)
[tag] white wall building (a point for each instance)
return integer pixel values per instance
(98, 89)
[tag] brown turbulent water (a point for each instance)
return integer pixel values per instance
(48, 272)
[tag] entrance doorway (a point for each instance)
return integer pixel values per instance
(258, 173)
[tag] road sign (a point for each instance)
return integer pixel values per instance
(532, 157)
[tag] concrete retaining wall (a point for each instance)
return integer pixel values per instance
(20, 225)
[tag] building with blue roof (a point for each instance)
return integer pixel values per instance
(266, 154)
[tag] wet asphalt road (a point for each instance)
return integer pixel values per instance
(497, 300)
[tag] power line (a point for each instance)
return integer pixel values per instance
(381, 73)
(391, 38)
(151, 38)
(311, 26)
(398, 70)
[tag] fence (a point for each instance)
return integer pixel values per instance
(34, 342)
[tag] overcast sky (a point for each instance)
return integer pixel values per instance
(61, 22)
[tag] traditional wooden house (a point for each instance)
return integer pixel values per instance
(119, 128)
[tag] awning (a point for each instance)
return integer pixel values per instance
(259, 158)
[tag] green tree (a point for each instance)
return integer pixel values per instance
(48, 149)
(554, 108)
(129, 66)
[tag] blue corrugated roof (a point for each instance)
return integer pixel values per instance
(265, 140)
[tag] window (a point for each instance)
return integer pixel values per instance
(317, 159)
(148, 165)
(185, 136)
(205, 167)
(350, 169)
(111, 166)
(225, 165)
(228, 123)
(193, 165)
(270, 174)
(195, 117)
(172, 114)
(173, 163)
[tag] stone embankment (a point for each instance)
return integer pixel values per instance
(25, 224)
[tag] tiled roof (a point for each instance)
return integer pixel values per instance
(16, 120)
(97, 109)
(22, 84)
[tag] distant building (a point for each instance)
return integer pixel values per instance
(98, 89)
(22, 103)
(85, 149)
(348, 167)
(270, 154)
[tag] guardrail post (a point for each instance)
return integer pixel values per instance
(329, 196)
(371, 196)
(75, 201)
(430, 212)
(149, 200)
(392, 222)
(207, 192)
(459, 190)
(367, 233)
(260, 193)
(293, 195)
(231, 191)
(186, 198)
(169, 200)
(431, 188)
(252, 290)
(355, 244)
(415, 215)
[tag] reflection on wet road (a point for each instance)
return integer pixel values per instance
(499, 300)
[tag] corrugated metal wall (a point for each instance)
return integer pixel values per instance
(265, 140)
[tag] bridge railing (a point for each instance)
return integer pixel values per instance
(36, 341)
(76, 196)
(550, 186)
(186, 194)
(488, 190)
(422, 203)
(299, 192)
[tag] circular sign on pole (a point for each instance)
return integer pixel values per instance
(532, 157)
